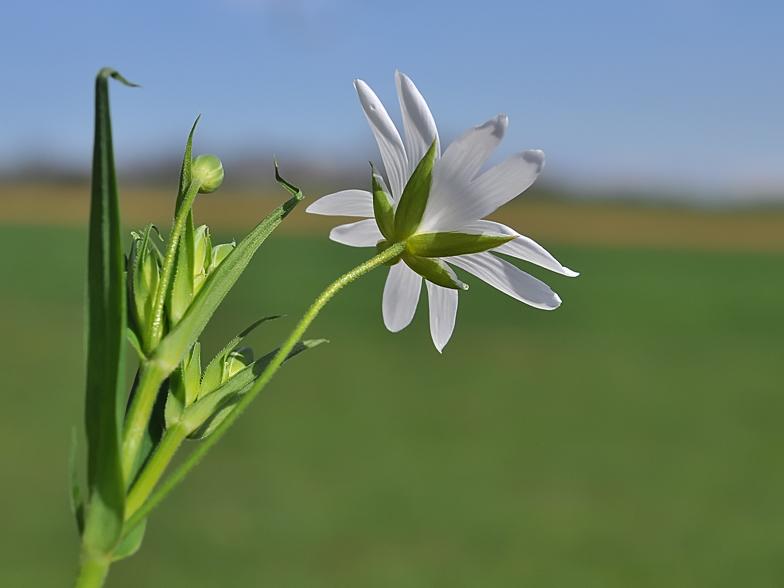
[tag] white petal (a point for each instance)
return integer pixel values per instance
(504, 276)
(521, 247)
(401, 295)
(345, 203)
(492, 189)
(508, 179)
(469, 152)
(389, 143)
(458, 166)
(364, 233)
(443, 311)
(418, 122)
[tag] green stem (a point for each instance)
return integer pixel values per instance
(194, 458)
(154, 468)
(156, 328)
(92, 571)
(151, 377)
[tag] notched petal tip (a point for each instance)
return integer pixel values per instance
(534, 157)
(500, 124)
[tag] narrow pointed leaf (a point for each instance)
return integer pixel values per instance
(415, 196)
(176, 344)
(106, 321)
(449, 244)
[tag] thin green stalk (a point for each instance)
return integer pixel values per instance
(156, 328)
(194, 458)
(151, 377)
(92, 572)
(154, 468)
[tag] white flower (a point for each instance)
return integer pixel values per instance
(440, 219)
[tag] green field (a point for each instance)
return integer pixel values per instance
(632, 438)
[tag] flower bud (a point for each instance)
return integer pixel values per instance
(207, 169)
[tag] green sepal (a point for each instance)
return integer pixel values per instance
(77, 500)
(237, 361)
(202, 250)
(415, 195)
(131, 543)
(382, 205)
(434, 270)
(106, 324)
(219, 253)
(145, 276)
(183, 386)
(180, 293)
(203, 417)
(449, 244)
(213, 373)
(179, 340)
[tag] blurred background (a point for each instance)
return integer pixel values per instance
(633, 437)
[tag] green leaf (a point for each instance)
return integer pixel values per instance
(77, 501)
(382, 205)
(106, 319)
(176, 344)
(448, 244)
(203, 417)
(434, 270)
(131, 542)
(415, 195)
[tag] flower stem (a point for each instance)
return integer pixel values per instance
(92, 572)
(194, 458)
(154, 468)
(151, 377)
(156, 328)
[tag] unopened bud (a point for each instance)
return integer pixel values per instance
(207, 169)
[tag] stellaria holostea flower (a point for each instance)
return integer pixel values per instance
(435, 205)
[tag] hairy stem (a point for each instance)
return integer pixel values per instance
(151, 377)
(156, 328)
(194, 458)
(92, 571)
(154, 468)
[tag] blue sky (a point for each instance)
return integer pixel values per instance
(673, 94)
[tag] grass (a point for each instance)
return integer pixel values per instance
(631, 438)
